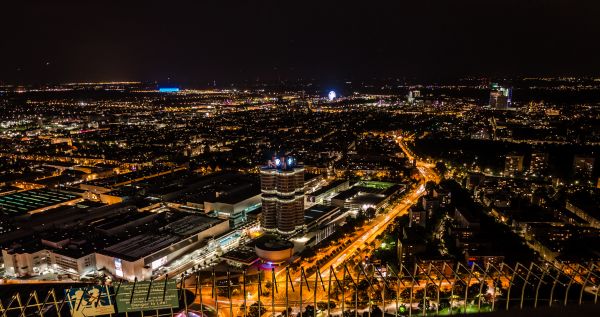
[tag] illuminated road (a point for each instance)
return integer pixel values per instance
(378, 225)
(383, 221)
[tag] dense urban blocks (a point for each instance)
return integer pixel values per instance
(144, 185)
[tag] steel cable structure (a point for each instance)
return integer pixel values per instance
(417, 289)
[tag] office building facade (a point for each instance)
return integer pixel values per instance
(500, 97)
(539, 164)
(583, 166)
(513, 164)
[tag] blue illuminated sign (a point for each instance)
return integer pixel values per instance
(168, 89)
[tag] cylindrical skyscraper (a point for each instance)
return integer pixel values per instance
(282, 186)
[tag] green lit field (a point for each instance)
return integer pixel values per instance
(471, 309)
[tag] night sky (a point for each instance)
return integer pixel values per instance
(226, 41)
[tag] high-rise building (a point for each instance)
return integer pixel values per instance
(282, 187)
(513, 164)
(539, 163)
(500, 97)
(413, 95)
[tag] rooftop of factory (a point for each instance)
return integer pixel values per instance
(146, 244)
(328, 187)
(26, 201)
(314, 213)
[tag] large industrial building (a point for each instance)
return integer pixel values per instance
(322, 221)
(324, 194)
(234, 204)
(57, 252)
(227, 196)
(282, 188)
(138, 256)
(124, 247)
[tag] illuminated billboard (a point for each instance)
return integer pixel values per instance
(89, 301)
(141, 296)
(158, 263)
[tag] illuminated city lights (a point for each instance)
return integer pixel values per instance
(311, 160)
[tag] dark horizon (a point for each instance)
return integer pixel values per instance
(199, 43)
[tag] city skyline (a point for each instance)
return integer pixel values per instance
(129, 184)
(315, 159)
